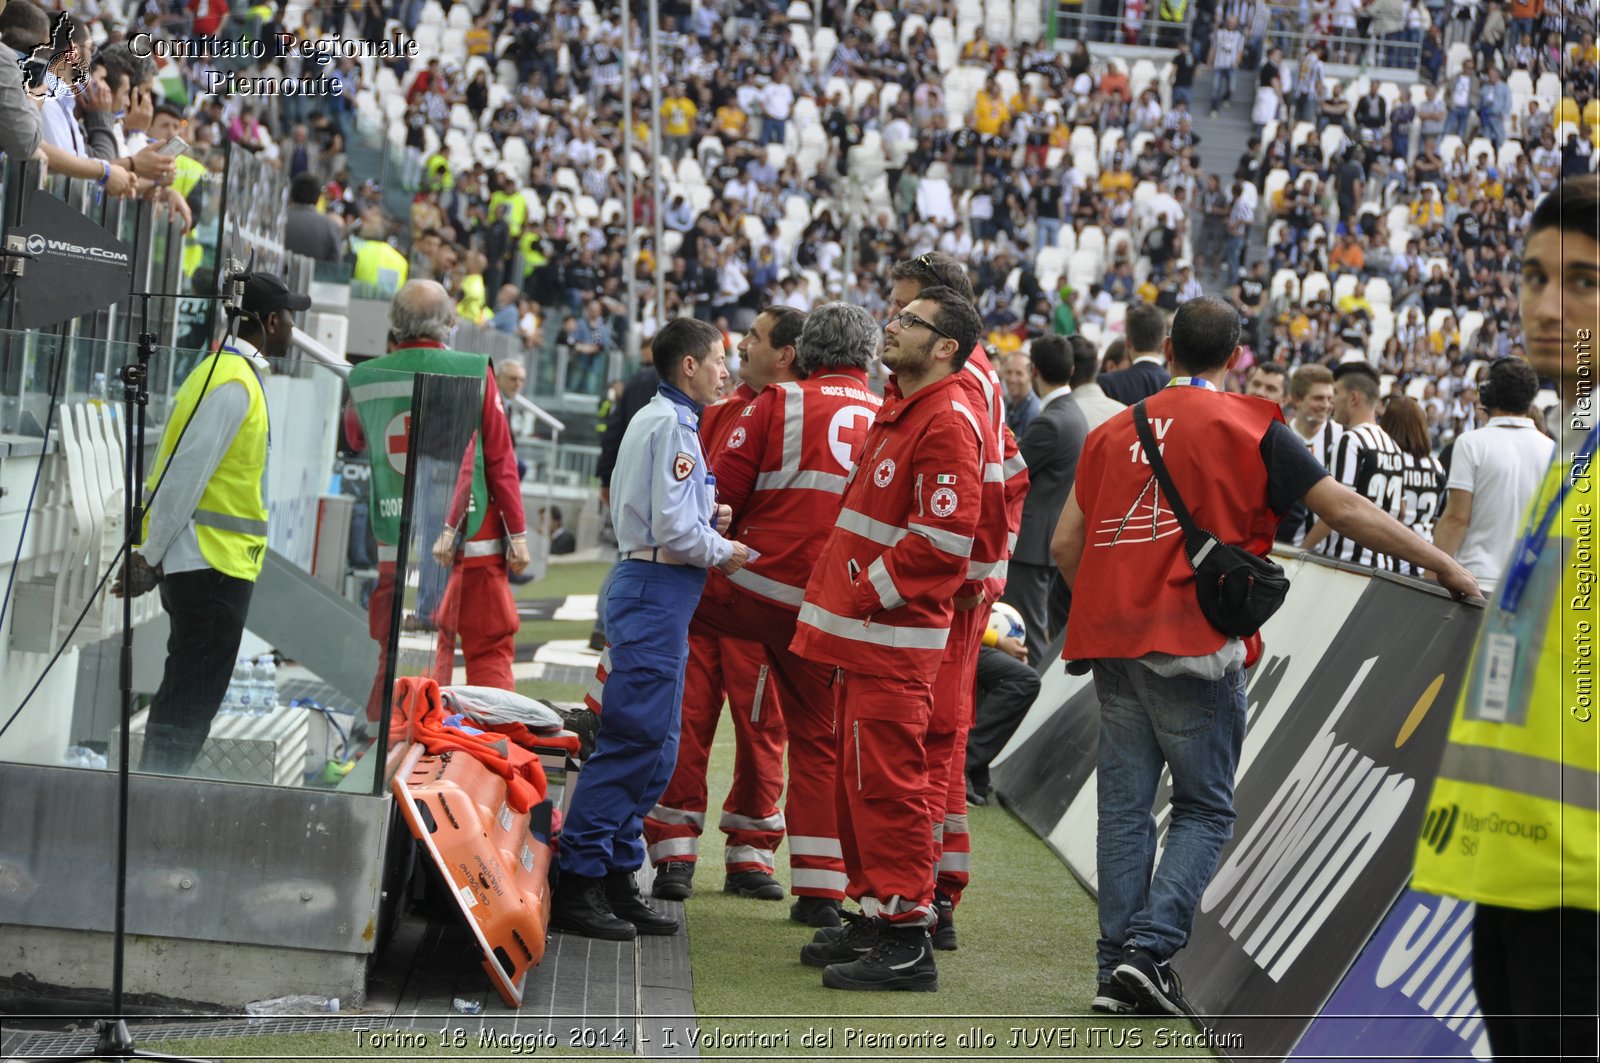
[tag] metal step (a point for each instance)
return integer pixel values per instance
(309, 622)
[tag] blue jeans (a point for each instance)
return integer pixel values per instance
(1221, 87)
(773, 130)
(1196, 728)
(1049, 231)
(1183, 95)
(1456, 121)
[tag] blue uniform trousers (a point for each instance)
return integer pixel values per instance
(647, 611)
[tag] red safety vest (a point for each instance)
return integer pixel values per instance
(809, 436)
(1134, 592)
(879, 601)
(1005, 480)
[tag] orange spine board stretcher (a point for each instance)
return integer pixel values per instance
(495, 859)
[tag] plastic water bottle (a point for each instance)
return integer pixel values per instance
(299, 1004)
(266, 687)
(237, 701)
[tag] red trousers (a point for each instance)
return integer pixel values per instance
(883, 795)
(750, 816)
(805, 691)
(954, 706)
(477, 605)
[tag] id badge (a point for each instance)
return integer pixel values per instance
(1495, 671)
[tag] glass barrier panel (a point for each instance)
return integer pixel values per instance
(284, 707)
(433, 445)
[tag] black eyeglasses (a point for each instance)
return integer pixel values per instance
(910, 320)
(924, 263)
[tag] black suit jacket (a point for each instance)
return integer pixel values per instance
(1051, 446)
(1138, 381)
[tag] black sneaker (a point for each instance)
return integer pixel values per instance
(623, 894)
(902, 958)
(815, 911)
(674, 881)
(1153, 982)
(944, 932)
(1112, 999)
(841, 944)
(580, 906)
(976, 797)
(757, 884)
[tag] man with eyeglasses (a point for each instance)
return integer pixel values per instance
(879, 607)
(1005, 484)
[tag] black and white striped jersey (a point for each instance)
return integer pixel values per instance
(1370, 463)
(1423, 497)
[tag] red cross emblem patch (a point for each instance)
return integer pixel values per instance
(683, 465)
(397, 440)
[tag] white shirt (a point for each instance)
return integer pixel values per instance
(777, 100)
(1051, 396)
(1502, 464)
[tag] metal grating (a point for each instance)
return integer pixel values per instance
(81, 1042)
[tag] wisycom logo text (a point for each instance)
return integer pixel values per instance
(44, 65)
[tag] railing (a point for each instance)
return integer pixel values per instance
(1109, 22)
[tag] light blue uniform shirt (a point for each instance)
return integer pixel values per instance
(662, 493)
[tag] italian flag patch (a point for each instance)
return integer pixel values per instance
(945, 478)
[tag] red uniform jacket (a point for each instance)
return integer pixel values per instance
(782, 466)
(716, 421)
(1005, 480)
(880, 599)
(1135, 591)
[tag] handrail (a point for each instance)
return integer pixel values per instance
(555, 423)
(320, 352)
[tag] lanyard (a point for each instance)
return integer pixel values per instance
(1532, 545)
(1191, 382)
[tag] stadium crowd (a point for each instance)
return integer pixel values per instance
(801, 158)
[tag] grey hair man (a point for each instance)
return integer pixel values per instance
(837, 336)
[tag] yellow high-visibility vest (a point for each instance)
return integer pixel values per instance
(230, 523)
(381, 266)
(1515, 813)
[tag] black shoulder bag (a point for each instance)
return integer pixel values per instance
(1238, 591)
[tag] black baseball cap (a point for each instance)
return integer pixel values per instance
(266, 292)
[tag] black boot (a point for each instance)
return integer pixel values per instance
(815, 911)
(901, 959)
(623, 894)
(757, 884)
(674, 881)
(944, 931)
(579, 906)
(840, 944)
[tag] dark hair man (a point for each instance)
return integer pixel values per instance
(879, 606)
(1523, 743)
(1365, 459)
(1137, 623)
(307, 231)
(205, 533)
(782, 465)
(1144, 327)
(1494, 472)
(1268, 380)
(730, 670)
(1050, 446)
(1001, 499)
(1096, 405)
(669, 530)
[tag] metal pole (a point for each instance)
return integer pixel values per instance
(654, 30)
(631, 254)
